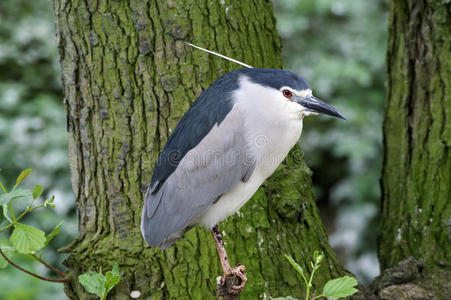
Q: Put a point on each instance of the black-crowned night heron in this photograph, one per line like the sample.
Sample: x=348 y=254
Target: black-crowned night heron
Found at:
x=231 y=139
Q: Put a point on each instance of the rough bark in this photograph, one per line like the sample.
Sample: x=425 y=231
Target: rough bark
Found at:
x=128 y=78
x=416 y=183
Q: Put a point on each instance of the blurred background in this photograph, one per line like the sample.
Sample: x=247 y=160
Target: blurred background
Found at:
x=337 y=46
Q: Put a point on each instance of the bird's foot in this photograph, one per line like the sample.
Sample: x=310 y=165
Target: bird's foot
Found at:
x=233 y=280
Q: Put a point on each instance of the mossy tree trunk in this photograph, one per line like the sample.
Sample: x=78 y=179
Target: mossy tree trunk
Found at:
x=128 y=78
x=416 y=181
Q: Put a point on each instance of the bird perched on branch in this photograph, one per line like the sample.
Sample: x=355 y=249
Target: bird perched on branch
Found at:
x=230 y=140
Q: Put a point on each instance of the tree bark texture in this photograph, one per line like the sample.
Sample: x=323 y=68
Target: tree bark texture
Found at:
x=416 y=179
x=128 y=78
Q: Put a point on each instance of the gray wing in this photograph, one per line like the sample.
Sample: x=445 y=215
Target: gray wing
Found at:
x=207 y=171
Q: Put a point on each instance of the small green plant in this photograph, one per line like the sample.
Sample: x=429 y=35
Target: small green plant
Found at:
x=29 y=240
x=335 y=288
x=98 y=284
x=26 y=239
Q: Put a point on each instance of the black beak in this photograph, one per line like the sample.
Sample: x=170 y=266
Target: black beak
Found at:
x=313 y=104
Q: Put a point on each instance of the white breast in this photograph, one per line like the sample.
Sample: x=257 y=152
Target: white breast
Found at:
x=273 y=125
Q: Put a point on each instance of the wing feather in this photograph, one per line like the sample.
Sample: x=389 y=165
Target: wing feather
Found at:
x=213 y=167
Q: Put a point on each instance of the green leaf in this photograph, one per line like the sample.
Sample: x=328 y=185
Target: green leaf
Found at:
x=340 y=287
x=24 y=174
x=294 y=264
x=27 y=239
x=15 y=194
x=318 y=257
x=285 y=298
x=49 y=202
x=7 y=251
x=52 y=234
x=93 y=282
x=112 y=278
x=115 y=270
x=98 y=284
x=5 y=213
x=37 y=191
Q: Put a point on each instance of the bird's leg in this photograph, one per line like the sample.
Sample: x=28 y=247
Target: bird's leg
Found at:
x=221 y=250
x=233 y=279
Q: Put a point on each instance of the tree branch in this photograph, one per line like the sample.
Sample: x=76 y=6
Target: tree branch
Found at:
x=59 y=272
x=64 y=279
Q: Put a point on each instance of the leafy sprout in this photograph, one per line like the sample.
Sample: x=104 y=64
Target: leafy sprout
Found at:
x=99 y=284
x=334 y=289
x=26 y=239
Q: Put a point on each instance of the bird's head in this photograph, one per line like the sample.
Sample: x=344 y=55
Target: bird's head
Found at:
x=286 y=86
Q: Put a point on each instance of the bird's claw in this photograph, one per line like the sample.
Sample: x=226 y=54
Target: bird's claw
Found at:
x=238 y=271
x=233 y=280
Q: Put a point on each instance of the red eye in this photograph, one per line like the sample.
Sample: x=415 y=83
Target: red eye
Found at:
x=287 y=93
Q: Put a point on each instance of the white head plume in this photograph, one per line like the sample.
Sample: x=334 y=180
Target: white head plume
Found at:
x=220 y=55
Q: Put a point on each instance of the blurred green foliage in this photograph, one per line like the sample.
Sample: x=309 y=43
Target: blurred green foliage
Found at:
x=33 y=135
x=32 y=117
x=339 y=48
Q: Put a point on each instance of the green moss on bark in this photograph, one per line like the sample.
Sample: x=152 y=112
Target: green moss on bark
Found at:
x=416 y=179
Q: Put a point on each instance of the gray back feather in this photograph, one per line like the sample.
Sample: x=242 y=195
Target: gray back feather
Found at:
x=213 y=167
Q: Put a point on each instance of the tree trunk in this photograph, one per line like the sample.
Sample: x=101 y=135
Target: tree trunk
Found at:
x=128 y=78
x=416 y=182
